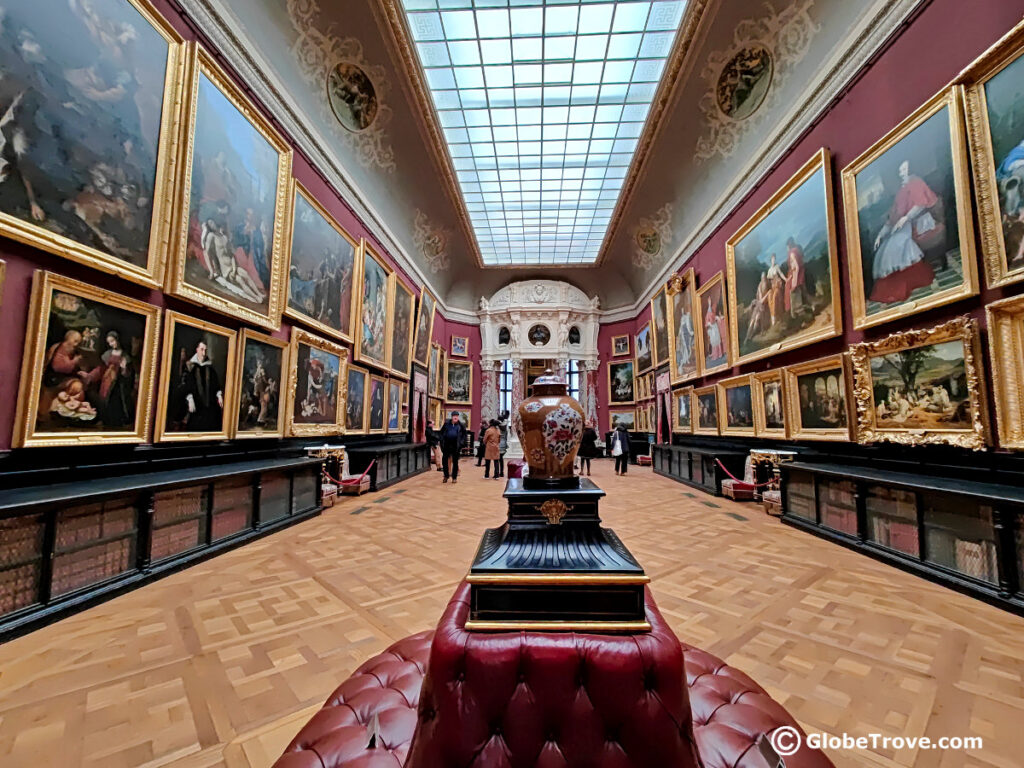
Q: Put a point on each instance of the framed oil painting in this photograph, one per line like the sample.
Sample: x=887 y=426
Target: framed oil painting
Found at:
x=736 y=396
x=403 y=316
x=784 y=268
x=435 y=412
x=682 y=410
x=714 y=323
x=374 y=285
x=460 y=346
x=620 y=345
x=394 y=406
x=685 y=356
x=320 y=267
x=433 y=369
x=376 y=422
x=1005 y=342
x=262 y=364
x=316 y=383
x=88 y=367
x=91 y=120
x=641 y=420
x=463 y=416
x=228 y=252
x=644 y=353
x=705 y=407
x=995 y=123
x=355 y=400
x=197 y=378
x=909 y=230
x=817 y=399
x=424 y=327
x=441 y=366
x=769 y=404
x=625 y=417
x=621 y=382
x=458 y=378
x=922 y=386
x=659 y=327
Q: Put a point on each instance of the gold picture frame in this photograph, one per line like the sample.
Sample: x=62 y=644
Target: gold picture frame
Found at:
x=821 y=162
x=300 y=191
x=950 y=100
x=392 y=392
x=363 y=410
x=245 y=336
x=201 y=64
x=435 y=409
x=930 y=417
x=302 y=337
x=632 y=422
x=449 y=365
x=164 y=186
x=645 y=358
x=718 y=281
x=761 y=383
x=617 y=350
x=172 y=320
x=680 y=286
x=612 y=400
x=383 y=428
x=460 y=346
x=659 y=306
x=975 y=79
x=795 y=426
x=698 y=392
x=725 y=386
x=401 y=293
x=1006 y=354
x=366 y=254
x=424 y=324
x=39 y=349
x=684 y=394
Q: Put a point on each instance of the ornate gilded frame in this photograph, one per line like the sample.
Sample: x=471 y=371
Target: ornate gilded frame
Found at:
x=821 y=160
x=397 y=290
x=435 y=411
x=611 y=417
x=424 y=295
x=171 y=321
x=365 y=420
x=1006 y=354
x=387 y=406
x=613 y=353
x=300 y=336
x=608 y=380
x=983 y=166
x=677 y=427
x=746 y=380
x=650 y=343
x=367 y=251
x=706 y=288
x=791 y=392
x=465 y=345
x=165 y=189
x=662 y=292
x=758 y=381
x=950 y=99
x=447 y=366
x=963 y=329
x=677 y=285
x=384 y=418
x=695 y=411
x=244 y=336
x=33 y=364
x=202 y=63
x=298 y=189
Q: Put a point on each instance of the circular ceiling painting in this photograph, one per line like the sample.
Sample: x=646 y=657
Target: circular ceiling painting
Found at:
x=744 y=82
x=648 y=240
x=352 y=96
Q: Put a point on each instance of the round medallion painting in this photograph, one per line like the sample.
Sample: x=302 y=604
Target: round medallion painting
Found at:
x=352 y=96
x=648 y=240
x=744 y=82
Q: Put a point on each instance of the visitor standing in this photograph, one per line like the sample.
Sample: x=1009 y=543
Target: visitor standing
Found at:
x=480 y=443
x=434 y=444
x=620 y=449
x=588 y=447
x=503 y=443
x=452 y=437
x=491 y=441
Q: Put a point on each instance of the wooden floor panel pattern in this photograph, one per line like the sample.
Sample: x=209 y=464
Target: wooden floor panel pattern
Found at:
x=220 y=665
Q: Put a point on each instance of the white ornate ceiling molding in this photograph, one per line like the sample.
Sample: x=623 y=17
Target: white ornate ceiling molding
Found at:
x=432 y=240
x=650 y=237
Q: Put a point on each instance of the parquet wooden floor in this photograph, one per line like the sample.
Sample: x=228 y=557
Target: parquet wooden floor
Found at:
x=220 y=664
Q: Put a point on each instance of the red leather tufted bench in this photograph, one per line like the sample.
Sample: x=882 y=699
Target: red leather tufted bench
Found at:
x=497 y=700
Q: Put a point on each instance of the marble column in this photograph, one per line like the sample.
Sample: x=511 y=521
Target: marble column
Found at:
x=588 y=391
x=515 y=448
x=488 y=391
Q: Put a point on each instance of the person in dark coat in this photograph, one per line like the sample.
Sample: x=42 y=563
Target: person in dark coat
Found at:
x=452 y=436
x=480 y=443
x=434 y=443
x=503 y=443
x=492 y=452
x=621 y=436
x=588 y=447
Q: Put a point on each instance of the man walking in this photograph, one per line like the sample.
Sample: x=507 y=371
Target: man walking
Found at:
x=452 y=436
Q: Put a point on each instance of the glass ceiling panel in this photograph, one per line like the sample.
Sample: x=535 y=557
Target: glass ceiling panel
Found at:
x=542 y=103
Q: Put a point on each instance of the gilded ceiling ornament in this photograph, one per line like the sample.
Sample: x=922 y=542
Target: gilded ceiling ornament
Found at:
x=432 y=241
x=355 y=91
x=650 y=237
x=748 y=75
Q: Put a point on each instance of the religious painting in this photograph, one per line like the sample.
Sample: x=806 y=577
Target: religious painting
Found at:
x=321 y=265
x=921 y=387
x=262 y=362
x=197 y=377
x=659 y=328
x=352 y=97
x=685 y=357
x=737 y=400
x=817 y=406
x=714 y=324
x=769 y=404
x=316 y=384
x=626 y=418
x=376 y=423
x=90 y=119
x=682 y=402
x=621 y=382
x=88 y=367
x=783 y=268
x=995 y=122
x=373 y=331
x=394 y=405
x=705 y=406
x=460 y=346
x=1005 y=340
x=642 y=345
x=403 y=314
x=458 y=378
x=355 y=400
x=909 y=229
x=424 y=327
x=228 y=251
x=620 y=345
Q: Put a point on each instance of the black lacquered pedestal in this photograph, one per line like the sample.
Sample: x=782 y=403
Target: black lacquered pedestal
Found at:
x=552 y=566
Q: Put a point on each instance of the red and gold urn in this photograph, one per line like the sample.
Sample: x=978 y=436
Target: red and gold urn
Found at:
x=550 y=428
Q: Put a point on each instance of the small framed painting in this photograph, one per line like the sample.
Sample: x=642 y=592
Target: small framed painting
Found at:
x=620 y=345
x=705 y=406
x=714 y=326
x=621 y=382
x=376 y=406
x=424 y=328
x=355 y=400
x=682 y=410
x=736 y=398
x=315 y=385
x=402 y=311
x=463 y=416
x=685 y=356
x=644 y=353
x=262 y=364
x=627 y=418
x=1005 y=340
x=393 y=422
x=374 y=281
x=769 y=404
x=817 y=399
x=460 y=346
x=459 y=382
x=659 y=327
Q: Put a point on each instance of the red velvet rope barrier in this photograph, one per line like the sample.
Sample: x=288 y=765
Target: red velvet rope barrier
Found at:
x=730 y=474
x=356 y=481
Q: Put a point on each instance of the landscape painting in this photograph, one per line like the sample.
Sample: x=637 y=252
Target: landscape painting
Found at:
x=374 y=326
x=644 y=353
x=684 y=349
x=714 y=326
x=355 y=401
x=783 y=264
x=261 y=366
x=626 y=419
x=621 y=382
x=659 y=327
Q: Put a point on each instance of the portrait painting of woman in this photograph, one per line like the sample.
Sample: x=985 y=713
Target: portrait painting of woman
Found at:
x=714 y=325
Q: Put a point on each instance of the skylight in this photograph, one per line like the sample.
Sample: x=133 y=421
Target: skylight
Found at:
x=542 y=103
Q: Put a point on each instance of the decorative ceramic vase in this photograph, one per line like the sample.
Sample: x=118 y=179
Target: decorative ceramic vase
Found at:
x=550 y=428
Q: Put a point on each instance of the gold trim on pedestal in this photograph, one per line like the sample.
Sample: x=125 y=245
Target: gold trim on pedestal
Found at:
x=554 y=510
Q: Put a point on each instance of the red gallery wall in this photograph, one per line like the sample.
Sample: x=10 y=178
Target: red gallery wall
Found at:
x=444 y=329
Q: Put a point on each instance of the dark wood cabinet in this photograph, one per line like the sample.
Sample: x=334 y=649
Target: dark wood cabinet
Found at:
x=391 y=462
x=697 y=466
